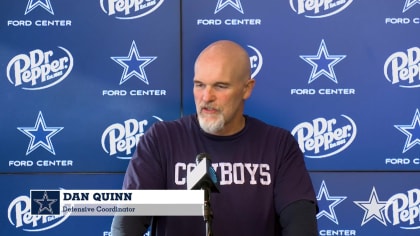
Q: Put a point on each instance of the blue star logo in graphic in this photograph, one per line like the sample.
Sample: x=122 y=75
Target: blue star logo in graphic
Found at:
x=412 y=131
x=134 y=65
x=234 y=3
x=327 y=201
x=40 y=135
x=409 y=4
x=32 y=4
x=45 y=203
x=322 y=63
x=374 y=209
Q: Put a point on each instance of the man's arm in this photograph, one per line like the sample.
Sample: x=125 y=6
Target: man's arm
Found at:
x=129 y=225
x=299 y=218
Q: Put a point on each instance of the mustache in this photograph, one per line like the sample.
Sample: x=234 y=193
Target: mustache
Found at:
x=209 y=106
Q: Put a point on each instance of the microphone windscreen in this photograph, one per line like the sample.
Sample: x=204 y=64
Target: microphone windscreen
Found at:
x=201 y=156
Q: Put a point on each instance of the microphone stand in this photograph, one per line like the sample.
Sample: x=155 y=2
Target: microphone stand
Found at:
x=207 y=212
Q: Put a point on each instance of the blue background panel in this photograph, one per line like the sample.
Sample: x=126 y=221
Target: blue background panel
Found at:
x=303 y=58
x=367 y=203
x=116 y=72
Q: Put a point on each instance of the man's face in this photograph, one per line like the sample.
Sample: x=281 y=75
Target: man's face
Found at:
x=219 y=95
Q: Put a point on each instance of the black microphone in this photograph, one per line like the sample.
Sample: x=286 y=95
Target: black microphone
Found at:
x=203 y=176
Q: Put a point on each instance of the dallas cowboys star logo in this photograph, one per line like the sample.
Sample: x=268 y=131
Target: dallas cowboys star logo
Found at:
x=45 y=203
x=374 y=209
x=134 y=65
x=325 y=200
x=40 y=135
x=322 y=63
x=409 y=4
x=412 y=131
x=234 y=3
x=39 y=3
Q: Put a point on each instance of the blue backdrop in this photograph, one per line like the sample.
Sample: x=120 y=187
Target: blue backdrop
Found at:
x=81 y=81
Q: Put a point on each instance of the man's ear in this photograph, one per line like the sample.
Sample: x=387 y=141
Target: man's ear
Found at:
x=248 y=88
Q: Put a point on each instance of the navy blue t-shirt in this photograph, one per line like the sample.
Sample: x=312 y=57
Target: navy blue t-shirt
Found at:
x=260 y=171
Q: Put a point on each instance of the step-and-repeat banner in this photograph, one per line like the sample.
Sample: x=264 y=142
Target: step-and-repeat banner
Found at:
x=81 y=81
x=343 y=76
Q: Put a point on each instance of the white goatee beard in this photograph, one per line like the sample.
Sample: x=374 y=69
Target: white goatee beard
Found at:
x=211 y=127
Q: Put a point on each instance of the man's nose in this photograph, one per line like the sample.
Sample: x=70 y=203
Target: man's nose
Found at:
x=208 y=94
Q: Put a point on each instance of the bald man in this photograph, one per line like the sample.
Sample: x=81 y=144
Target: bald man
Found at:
x=222 y=83
x=265 y=188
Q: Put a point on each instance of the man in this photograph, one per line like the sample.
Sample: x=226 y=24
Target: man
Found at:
x=265 y=188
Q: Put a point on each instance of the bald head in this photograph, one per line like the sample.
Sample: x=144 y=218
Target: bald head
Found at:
x=226 y=55
x=222 y=83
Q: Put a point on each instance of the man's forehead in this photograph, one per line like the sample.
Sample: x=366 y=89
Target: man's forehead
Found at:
x=220 y=80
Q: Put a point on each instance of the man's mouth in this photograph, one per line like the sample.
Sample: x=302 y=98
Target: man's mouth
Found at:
x=209 y=110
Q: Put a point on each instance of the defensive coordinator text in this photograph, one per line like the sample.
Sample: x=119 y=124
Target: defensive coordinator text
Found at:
x=114 y=209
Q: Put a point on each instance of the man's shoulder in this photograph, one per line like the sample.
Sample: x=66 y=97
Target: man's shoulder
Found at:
x=260 y=124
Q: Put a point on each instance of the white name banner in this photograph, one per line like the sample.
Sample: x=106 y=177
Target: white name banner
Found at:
x=117 y=202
